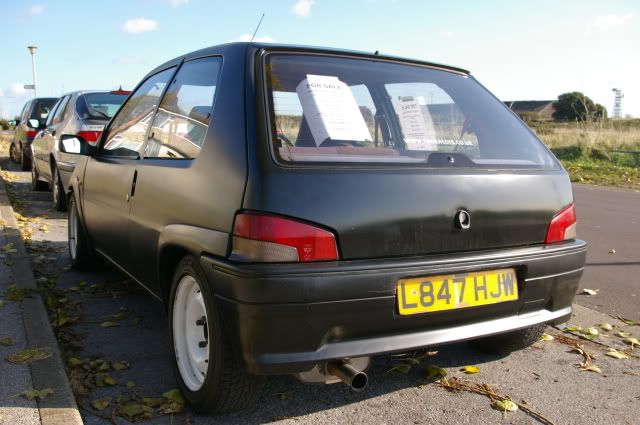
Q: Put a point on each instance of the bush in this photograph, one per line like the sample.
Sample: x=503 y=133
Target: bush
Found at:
x=4 y=124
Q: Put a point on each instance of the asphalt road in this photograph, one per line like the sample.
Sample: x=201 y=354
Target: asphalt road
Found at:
x=544 y=377
x=609 y=220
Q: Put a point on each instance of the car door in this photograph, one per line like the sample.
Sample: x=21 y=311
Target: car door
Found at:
x=110 y=175
x=38 y=145
x=44 y=141
x=173 y=144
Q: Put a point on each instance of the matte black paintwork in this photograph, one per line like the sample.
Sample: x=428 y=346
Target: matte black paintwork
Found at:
x=390 y=223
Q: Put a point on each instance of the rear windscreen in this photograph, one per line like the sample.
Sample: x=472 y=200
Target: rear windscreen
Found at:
x=338 y=109
x=99 y=106
x=42 y=108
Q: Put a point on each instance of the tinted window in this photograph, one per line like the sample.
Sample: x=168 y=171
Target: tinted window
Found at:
x=129 y=127
x=53 y=111
x=42 y=109
x=99 y=106
x=60 y=111
x=336 y=109
x=25 y=111
x=183 y=117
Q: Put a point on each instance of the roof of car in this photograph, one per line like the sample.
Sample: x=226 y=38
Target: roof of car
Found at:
x=243 y=46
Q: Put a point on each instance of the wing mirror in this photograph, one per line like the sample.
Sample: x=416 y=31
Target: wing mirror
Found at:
x=70 y=143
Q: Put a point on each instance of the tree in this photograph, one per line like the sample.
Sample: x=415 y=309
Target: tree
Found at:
x=576 y=106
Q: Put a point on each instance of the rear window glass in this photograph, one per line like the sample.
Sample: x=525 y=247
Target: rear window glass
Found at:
x=42 y=109
x=338 y=109
x=99 y=106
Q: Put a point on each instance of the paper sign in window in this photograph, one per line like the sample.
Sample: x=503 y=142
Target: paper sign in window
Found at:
x=417 y=126
x=331 y=110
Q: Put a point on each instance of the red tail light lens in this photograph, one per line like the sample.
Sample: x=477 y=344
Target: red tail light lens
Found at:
x=562 y=226
x=30 y=133
x=89 y=136
x=268 y=238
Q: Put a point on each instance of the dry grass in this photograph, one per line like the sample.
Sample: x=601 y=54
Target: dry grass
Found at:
x=591 y=136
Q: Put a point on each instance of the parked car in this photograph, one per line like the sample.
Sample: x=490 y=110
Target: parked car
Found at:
x=83 y=113
x=32 y=118
x=301 y=210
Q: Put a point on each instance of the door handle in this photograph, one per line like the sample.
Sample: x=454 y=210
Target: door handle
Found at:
x=133 y=186
x=53 y=133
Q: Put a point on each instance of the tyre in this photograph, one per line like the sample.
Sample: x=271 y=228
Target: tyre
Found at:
x=81 y=254
x=209 y=370
x=58 y=193
x=25 y=161
x=36 y=184
x=511 y=341
x=14 y=153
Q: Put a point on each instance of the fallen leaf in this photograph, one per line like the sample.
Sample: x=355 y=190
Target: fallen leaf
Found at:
x=470 y=370
x=1 y=303
x=153 y=401
x=592 y=331
x=616 y=354
x=74 y=361
x=623 y=334
x=109 y=380
x=131 y=384
x=40 y=394
x=626 y=321
x=606 y=326
x=572 y=329
x=546 y=337
x=131 y=410
x=400 y=368
x=632 y=341
x=504 y=405
x=432 y=371
x=9 y=248
x=119 y=366
x=587 y=291
x=7 y=341
x=101 y=403
x=175 y=402
x=109 y=324
x=29 y=355
x=590 y=368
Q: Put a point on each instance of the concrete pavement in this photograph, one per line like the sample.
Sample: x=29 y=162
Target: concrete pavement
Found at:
x=609 y=220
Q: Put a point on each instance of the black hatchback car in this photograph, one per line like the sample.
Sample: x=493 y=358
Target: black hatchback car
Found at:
x=300 y=210
x=32 y=118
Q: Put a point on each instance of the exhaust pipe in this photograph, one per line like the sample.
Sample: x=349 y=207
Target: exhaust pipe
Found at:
x=351 y=376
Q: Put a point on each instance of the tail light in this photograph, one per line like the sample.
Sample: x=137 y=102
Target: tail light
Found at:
x=267 y=238
x=562 y=226
x=89 y=136
x=31 y=133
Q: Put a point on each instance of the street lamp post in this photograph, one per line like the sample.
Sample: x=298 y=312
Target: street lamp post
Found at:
x=32 y=50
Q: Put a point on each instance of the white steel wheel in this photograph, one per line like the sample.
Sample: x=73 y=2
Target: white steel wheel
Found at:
x=191 y=340
x=73 y=233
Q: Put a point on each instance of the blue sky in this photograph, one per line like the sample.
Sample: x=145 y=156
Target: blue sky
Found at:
x=520 y=50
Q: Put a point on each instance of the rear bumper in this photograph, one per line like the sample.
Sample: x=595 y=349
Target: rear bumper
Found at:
x=287 y=317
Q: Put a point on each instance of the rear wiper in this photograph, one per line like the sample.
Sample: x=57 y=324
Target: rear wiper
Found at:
x=99 y=112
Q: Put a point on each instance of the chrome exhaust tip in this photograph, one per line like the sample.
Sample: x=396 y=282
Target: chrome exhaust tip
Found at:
x=355 y=379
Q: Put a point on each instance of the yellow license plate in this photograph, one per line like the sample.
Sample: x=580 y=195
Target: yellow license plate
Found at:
x=438 y=293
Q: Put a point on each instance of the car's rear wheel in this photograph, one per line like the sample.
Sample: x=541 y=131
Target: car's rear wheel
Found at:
x=25 y=160
x=14 y=153
x=58 y=193
x=36 y=183
x=511 y=341
x=81 y=254
x=210 y=371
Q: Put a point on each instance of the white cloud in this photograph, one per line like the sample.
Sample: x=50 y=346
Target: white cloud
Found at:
x=140 y=25
x=36 y=9
x=177 y=3
x=264 y=39
x=606 y=22
x=16 y=89
x=302 y=7
x=1 y=93
x=447 y=35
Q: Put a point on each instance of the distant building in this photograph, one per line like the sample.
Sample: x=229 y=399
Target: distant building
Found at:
x=544 y=108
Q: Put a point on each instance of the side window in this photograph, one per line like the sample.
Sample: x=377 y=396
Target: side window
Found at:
x=129 y=127
x=25 y=112
x=180 y=126
x=53 y=112
x=62 y=107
